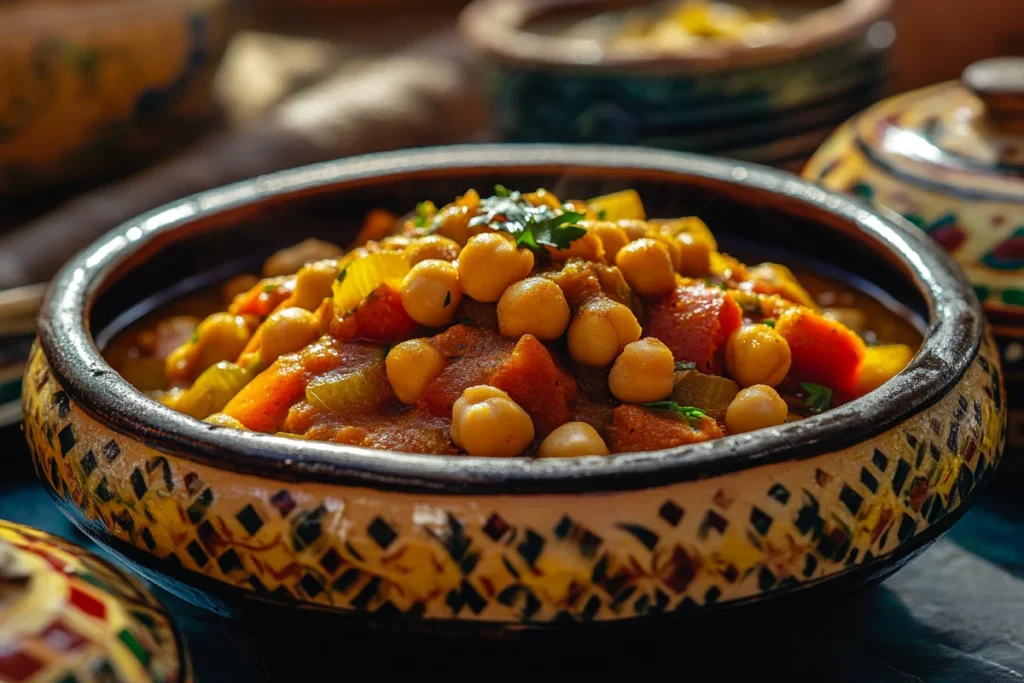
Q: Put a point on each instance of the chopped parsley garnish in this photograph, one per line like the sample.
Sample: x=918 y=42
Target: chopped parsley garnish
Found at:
x=422 y=214
x=601 y=214
x=534 y=227
x=343 y=274
x=712 y=283
x=269 y=289
x=195 y=336
x=688 y=412
x=819 y=398
x=684 y=365
x=447 y=299
x=769 y=322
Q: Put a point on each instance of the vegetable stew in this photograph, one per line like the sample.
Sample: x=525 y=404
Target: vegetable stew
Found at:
x=516 y=324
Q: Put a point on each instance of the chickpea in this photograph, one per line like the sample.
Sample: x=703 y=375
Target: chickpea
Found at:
x=410 y=366
x=572 y=440
x=287 y=331
x=534 y=306
x=432 y=247
x=237 y=285
x=221 y=336
x=647 y=267
x=694 y=256
x=757 y=354
x=430 y=292
x=643 y=372
x=634 y=229
x=313 y=283
x=587 y=247
x=600 y=331
x=224 y=420
x=288 y=261
x=489 y=263
x=487 y=422
x=755 y=407
x=612 y=237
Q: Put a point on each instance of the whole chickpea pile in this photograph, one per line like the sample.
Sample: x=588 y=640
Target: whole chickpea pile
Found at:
x=472 y=248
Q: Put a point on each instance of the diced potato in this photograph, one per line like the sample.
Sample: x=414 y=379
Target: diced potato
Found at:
x=618 y=206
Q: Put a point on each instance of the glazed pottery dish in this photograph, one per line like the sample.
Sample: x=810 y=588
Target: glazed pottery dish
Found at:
x=950 y=159
x=67 y=615
x=90 y=89
x=763 y=83
x=497 y=389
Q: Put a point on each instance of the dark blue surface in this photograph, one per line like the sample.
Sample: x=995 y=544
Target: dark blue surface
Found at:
x=955 y=615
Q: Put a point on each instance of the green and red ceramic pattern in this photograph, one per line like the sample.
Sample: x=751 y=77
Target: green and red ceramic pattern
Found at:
x=66 y=617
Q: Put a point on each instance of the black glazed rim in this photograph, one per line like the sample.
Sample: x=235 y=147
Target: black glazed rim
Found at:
x=952 y=341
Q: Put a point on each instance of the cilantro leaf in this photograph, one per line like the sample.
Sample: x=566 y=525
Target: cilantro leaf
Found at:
x=501 y=191
x=688 y=412
x=343 y=274
x=195 y=336
x=601 y=214
x=534 y=227
x=684 y=365
x=819 y=398
x=769 y=322
x=269 y=289
x=422 y=215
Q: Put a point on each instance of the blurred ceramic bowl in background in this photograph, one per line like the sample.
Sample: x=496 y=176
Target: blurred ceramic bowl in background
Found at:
x=97 y=85
x=770 y=100
x=950 y=159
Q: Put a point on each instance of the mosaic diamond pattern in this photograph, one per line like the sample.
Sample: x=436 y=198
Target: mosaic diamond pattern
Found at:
x=639 y=555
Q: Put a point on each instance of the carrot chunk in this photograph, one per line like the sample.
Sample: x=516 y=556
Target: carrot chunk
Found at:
x=694 y=321
x=379 y=318
x=824 y=351
x=637 y=429
x=533 y=380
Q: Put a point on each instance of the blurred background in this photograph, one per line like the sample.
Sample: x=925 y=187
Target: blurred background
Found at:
x=109 y=108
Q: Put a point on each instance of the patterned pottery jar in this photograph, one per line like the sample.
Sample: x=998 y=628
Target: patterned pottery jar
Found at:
x=89 y=89
x=768 y=104
x=252 y=524
x=66 y=615
x=950 y=159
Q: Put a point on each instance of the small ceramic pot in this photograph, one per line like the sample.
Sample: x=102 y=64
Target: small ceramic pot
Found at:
x=243 y=522
x=84 y=91
x=718 y=98
x=950 y=159
x=66 y=615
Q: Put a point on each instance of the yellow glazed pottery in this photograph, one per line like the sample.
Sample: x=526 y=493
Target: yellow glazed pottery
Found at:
x=66 y=615
x=261 y=526
x=89 y=85
x=950 y=159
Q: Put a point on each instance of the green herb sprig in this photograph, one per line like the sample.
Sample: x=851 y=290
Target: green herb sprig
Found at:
x=687 y=412
x=819 y=398
x=534 y=227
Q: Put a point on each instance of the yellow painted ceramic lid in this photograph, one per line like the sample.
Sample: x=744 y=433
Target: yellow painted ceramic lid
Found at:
x=962 y=138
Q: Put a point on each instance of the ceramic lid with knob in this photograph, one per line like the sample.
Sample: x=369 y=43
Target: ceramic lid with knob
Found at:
x=949 y=158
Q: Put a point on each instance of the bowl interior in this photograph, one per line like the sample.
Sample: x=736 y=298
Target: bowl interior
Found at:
x=753 y=226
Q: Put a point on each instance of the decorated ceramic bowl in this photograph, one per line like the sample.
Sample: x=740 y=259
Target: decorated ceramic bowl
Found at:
x=253 y=524
x=950 y=159
x=90 y=89
x=550 y=85
x=66 y=615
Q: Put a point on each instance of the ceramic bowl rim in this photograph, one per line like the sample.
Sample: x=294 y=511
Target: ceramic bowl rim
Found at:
x=495 y=28
x=953 y=339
